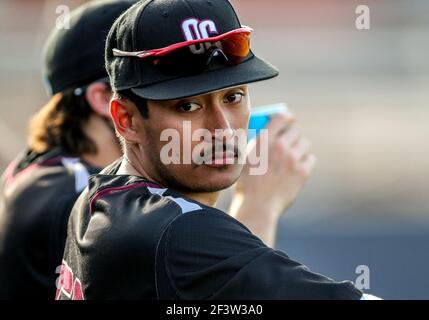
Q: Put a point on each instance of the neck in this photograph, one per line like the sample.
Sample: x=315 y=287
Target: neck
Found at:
x=131 y=165
x=207 y=198
x=108 y=149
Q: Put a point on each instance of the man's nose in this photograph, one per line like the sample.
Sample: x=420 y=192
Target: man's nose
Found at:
x=219 y=122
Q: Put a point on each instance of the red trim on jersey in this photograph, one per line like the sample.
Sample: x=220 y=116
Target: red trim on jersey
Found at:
x=10 y=177
x=107 y=191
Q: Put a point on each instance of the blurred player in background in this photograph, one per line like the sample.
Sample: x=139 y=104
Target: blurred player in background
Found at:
x=70 y=138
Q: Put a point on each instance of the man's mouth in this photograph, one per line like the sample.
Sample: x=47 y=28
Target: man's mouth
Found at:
x=224 y=158
x=219 y=158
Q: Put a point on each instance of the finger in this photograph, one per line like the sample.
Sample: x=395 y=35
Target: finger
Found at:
x=309 y=164
x=291 y=137
x=279 y=123
x=302 y=149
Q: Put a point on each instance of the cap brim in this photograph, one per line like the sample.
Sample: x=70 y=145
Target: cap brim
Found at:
x=252 y=70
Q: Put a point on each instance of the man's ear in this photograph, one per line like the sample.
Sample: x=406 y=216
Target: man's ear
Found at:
x=124 y=116
x=98 y=96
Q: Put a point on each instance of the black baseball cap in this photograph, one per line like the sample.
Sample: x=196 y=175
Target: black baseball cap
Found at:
x=154 y=24
x=73 y=55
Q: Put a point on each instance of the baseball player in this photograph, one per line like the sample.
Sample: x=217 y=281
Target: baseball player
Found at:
x=144 y=229
x=70 y=138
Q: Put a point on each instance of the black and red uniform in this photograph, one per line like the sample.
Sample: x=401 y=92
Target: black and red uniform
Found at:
x=129 y=238
x=37 y=192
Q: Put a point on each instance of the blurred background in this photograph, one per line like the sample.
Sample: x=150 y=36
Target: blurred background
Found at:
x=361 y=97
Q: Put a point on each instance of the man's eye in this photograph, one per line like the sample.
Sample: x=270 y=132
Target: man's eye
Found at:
x=234 y=98
x=189 y=107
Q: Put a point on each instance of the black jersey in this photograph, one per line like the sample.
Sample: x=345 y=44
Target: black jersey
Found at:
x=37 y=192
x=129 y=238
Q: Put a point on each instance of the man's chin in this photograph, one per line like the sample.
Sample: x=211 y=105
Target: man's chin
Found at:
x=208 y=181
x=217 y=178
x=202 y=178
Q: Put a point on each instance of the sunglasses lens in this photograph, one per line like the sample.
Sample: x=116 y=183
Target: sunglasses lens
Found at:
x=234 y=49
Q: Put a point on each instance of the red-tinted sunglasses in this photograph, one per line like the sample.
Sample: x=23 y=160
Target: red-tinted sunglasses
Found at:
x=181 y=58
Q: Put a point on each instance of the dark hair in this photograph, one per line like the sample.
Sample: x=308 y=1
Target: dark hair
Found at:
x=60 y=123
x=141 y=103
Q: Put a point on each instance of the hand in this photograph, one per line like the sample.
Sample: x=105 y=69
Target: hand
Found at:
x=259 y=200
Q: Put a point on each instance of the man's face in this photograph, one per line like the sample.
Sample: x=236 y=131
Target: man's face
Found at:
x=227 y=110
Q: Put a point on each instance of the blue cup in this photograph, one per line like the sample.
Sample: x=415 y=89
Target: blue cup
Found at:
x=259 y=117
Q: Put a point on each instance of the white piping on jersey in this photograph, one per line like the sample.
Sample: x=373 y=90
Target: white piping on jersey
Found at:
x=185 y=205
x=156 y=191
x=367 y=296
x=81 y=174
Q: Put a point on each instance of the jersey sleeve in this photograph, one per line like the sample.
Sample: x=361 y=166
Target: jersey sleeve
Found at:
x=209 y=255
